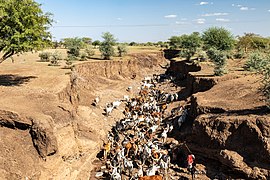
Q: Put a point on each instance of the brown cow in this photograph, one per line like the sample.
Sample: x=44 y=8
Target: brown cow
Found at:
x=155 y=177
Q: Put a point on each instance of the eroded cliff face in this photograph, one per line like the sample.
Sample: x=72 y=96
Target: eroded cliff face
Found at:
x=57 y=134
x=88 y=77
x=239 y=142
x=229 y=124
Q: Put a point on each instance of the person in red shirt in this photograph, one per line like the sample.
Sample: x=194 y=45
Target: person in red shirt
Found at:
x=190 y=160
x=191 y=165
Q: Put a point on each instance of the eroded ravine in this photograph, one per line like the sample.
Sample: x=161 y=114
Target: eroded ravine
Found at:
x=228 y=126
x=229 y=135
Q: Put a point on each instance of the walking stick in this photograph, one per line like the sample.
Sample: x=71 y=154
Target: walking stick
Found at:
x=188 y=148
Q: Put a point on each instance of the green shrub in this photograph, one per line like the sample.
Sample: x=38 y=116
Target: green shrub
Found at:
x=71 y=57
x=202 y=56
x=239 y=54
x=56 y=56
x=219 y=58
x=89 y=51
x=74 y=51
x=256 y=62
x=122 y=50
x=83 y=56
x=266 y=84
x=73 y=45
x=260 y=63
x=45 y=56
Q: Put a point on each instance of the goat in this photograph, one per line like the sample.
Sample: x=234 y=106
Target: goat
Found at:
x=140 y=171
x=126 y=98
x=108 y=109
x=131 y=145
x=128 y=165
x=165 y=163
x=164 y=134
x=129 y=89
x=96 y=101
x=116 y=104
x=154 y=128
x=115 y=175
x=152 y=170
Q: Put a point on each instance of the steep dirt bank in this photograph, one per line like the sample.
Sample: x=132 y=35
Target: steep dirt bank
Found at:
x=229 y=125
x=52 y=131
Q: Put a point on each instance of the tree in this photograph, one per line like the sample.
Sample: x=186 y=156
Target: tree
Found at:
x=251 y=41
x=73 y=45
x=96 y=43
x=106 y=47
x=245 y=42
x=217 y=43
x=87 y=40
x=175 y=42
x=23 y=27
x=132 y=43
x=189 y=45
x=218 y=38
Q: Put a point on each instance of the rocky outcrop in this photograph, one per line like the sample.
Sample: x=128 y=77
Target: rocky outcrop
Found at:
x=236 y=162
x=43 y=137
x=13 y=120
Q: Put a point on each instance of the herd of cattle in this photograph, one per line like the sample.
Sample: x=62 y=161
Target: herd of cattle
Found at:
x=136 y=146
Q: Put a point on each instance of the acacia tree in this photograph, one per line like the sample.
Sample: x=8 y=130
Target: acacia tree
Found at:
x=106 y=47
x=218 y=38
x=217 y=41
x=175 y=42
x=74 y=46
x=23 y=27
x=96 y=43
x=251 y=41
x=189 y=44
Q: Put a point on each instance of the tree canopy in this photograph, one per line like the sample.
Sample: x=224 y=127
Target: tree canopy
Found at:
x=106 y=46
x=23 y=27
x=218 y=38
x=175 y=42
x=251 y=41
x=73 y=45
x=189 y=44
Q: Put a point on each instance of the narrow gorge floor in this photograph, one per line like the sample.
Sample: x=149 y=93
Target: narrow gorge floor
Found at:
x=177 y=169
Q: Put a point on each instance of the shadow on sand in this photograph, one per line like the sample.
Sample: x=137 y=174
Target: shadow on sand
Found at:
x=14 y=80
